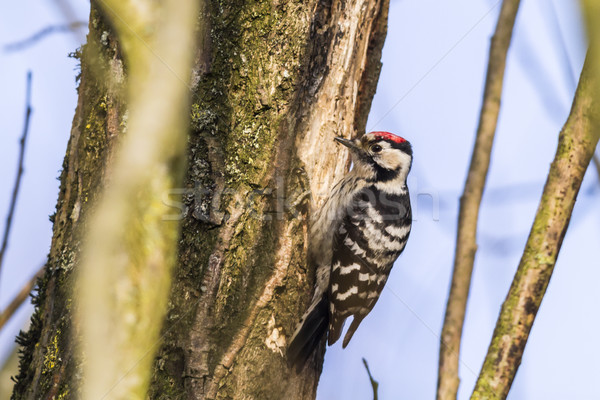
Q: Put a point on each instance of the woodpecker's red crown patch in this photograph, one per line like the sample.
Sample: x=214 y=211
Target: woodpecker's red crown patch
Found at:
x=389 y=136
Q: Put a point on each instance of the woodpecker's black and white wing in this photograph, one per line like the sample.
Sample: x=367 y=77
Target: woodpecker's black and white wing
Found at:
x=367 y=242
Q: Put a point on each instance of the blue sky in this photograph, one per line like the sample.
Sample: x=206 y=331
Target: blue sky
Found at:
x=430 y=92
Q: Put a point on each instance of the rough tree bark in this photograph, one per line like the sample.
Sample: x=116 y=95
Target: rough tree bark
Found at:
x=273 y=83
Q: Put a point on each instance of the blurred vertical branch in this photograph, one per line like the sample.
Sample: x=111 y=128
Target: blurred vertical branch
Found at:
x=7 y=371
x=131 y=245
x=466 y=245
x=17 y=185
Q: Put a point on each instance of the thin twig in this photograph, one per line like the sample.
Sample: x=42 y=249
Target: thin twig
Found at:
x=36 y=37
x=374 y=383
x=470 y=201
x=19 y=299
x=570 y=74
x=597 y=164
x=576 y=144
x=17 y=185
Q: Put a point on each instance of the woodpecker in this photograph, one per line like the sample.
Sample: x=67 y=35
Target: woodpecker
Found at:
x=355 y=237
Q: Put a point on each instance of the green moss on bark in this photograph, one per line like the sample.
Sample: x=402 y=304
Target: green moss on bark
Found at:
x=238 y=112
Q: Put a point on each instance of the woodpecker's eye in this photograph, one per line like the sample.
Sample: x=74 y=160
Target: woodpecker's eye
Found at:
x=376 y=148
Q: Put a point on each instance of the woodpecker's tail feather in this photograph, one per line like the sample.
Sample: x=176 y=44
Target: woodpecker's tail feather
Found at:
x=312 y=327
x=353 y=327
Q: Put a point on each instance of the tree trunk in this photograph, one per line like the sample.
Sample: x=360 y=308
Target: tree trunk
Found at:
x=273 y=83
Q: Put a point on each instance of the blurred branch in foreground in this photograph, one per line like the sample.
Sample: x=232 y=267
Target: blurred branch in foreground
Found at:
x=17 y=185
x=131 y=242
x=8 y=369
x=38 y=36
x=576 y=145
x=374 y=383
x=20 y=298
x=466 y=244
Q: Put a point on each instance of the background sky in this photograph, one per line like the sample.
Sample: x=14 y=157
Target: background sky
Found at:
x=434 y=64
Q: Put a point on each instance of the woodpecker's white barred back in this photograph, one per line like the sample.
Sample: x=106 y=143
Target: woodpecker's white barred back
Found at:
x=355 y=237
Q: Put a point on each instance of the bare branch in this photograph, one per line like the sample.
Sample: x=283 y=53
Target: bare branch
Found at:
x=42 y=34
x=17 y=185
x=466 y=245
x=576 y=145
x=597 y=164
x=65 y=7
x=19 y=299
x=374 y=383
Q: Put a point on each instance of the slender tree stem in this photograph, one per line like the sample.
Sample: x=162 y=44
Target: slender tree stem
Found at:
x=576 y=145
x=597 y=164
x=17 y=185
x=374 y=383
x=470 y=201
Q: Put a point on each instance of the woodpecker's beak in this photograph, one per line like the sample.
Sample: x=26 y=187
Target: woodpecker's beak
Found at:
x=347 y=142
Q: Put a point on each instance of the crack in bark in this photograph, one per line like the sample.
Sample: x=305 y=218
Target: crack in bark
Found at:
x=281 y=266
x=203 y=322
